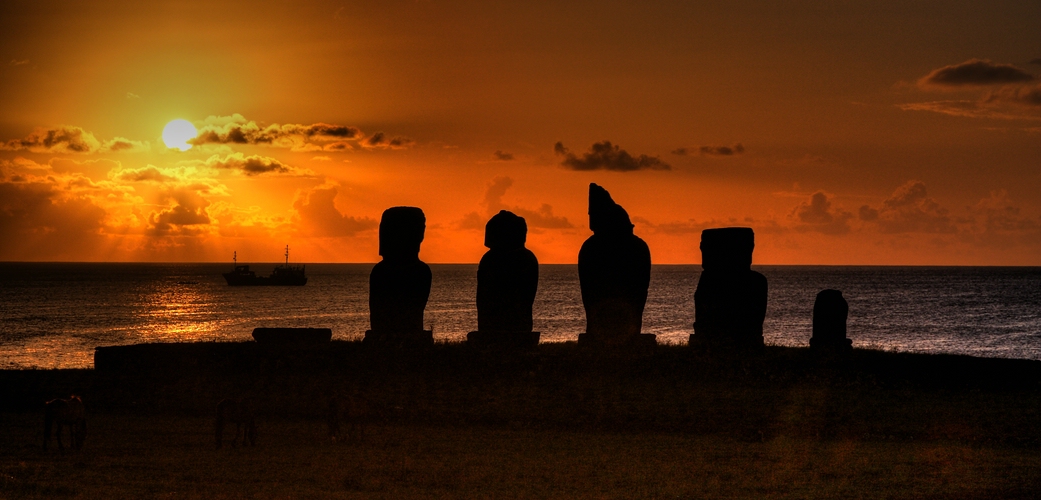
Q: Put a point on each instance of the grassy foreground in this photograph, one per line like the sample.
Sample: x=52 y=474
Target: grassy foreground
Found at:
x=559 y=422
x=173 y=457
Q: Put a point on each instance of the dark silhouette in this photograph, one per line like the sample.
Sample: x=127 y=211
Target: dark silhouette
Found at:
x=292 y=336
x=282 y=275
x=730 y=301
x=830 y=311
x=241 y=413
x=399 y=285
x=507 y=279
x=614 y=271
x=65 y=413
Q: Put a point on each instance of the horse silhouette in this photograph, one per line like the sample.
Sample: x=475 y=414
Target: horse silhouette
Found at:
x=241 y=413
x=65 y=412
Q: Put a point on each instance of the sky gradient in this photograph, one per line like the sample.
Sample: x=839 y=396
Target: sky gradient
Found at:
x=842 y=133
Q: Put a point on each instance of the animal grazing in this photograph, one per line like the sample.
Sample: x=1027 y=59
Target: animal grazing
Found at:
x=241 y=413
x=65 y=412
x=351 y=410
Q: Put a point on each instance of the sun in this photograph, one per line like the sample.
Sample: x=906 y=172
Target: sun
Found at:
x=177 y=133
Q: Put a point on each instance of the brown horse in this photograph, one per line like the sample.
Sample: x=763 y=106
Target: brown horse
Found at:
x=65 y=412
x=239 y=412
x=350 y=409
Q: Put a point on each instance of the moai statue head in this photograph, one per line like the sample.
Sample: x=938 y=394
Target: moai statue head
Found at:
x=605 y=216
x=505 y=230
x=401 y=232
x=727 y=248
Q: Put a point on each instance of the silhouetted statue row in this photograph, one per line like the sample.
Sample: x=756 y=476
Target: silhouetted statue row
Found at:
x=614 y=269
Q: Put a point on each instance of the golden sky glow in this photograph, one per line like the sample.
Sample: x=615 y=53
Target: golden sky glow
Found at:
x=889 y=133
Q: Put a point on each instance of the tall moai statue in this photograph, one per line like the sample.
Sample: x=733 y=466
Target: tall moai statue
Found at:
x=399 y=285
x=830 y=312
x=507 y=279
x=614 y=270
x=730 y=301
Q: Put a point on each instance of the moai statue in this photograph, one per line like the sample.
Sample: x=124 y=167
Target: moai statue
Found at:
x=830 y=311
x=507 y=280
x=614 y=269
x=399 y=285
x=730 y=301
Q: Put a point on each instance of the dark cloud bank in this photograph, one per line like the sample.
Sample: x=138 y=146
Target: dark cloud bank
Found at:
x=606 y=156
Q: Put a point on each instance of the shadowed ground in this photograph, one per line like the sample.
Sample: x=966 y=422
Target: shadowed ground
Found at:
x=558 y=422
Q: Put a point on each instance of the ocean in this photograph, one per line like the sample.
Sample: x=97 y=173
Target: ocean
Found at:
x=53 y=315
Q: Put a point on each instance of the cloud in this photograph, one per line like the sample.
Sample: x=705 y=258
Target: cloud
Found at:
x=145 y=174
x=975 y=72
x=236 y=129
x=253 y=165
x=909 y=210
x=606 y=156
x=817 y=215
x=1036 y=61
x=379 y=140
x=68 y=139
x=132 y=96
x=189 y=209
x=56 y=140
x=502 y=156
x=736 y=149
x=694 y=226
x=997 y=221
x=319 y=216
x=321 y=158
x=18 y=62
x=540 y=218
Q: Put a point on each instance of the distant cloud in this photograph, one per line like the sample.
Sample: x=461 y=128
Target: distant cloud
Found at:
x=56 y=140
x=1010 y=93
x=502 y=156
x=68 y=139
x=541 y=218
x=1036 y=61
x=909 y=210
x=319 y=216
x=817 y=215
x=132 y=96
x=18 y=62
x=144 y=174
x=250 y=165
x=736 y=149
x=236 y=129
x=606 y=156
x=976 y=72
x=381 y=141
x=321 y=158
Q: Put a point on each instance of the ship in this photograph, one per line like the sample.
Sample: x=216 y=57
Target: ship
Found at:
x=283 y=275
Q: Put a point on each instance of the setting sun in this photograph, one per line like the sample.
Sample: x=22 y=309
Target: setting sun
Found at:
x=177 y=133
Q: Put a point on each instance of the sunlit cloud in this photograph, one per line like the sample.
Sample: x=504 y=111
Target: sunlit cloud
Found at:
x=1010 y=93
x=254 y=165
x=236 y=129
x=70 y=140
x=606 y=156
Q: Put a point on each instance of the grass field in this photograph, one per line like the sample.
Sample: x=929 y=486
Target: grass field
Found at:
x=174 y=457
x=556 y=423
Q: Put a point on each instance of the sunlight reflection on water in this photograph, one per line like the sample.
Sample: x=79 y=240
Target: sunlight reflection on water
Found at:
x=55 y=314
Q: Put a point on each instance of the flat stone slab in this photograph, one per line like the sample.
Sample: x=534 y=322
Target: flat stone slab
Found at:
x=503 y=339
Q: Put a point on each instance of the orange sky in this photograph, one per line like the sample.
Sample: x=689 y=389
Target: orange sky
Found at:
x=843 y=134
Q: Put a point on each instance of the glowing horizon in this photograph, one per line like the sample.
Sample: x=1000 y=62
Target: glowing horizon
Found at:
x=815 y=126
